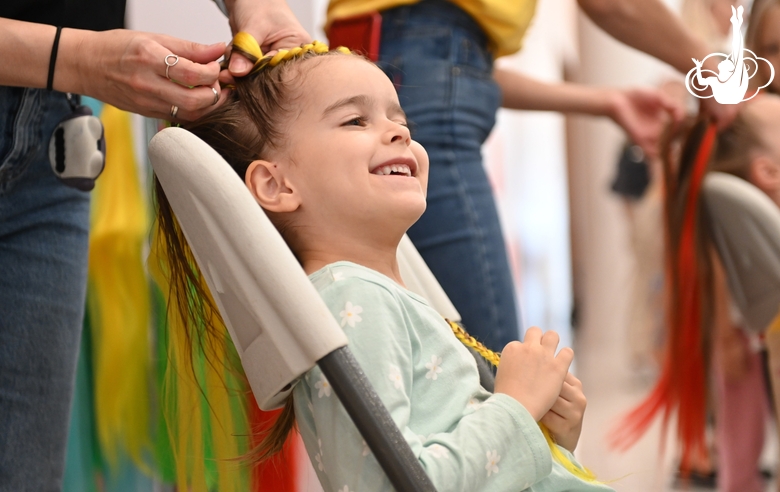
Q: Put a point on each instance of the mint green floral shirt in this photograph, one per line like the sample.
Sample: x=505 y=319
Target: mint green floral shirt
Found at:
x=466 y=438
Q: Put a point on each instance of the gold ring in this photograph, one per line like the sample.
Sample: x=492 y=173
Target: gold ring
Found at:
x=174 y=111
x=216 y=96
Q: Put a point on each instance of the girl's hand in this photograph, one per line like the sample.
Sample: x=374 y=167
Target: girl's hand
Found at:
x=643 y=114
x=531 y=373
x=127 y=69
x=564 y=420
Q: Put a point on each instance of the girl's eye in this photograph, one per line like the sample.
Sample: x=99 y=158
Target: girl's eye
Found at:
x=358 y=121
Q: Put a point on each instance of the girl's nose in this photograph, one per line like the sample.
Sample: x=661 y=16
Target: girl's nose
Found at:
x=400 y=132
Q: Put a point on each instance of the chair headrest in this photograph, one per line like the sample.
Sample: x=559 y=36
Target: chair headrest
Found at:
x=277 y=320
x=746 y=229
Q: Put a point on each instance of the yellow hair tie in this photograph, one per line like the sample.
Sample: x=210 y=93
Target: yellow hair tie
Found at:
x=248 y=46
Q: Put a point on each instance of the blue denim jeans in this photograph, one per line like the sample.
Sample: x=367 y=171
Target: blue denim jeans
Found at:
x=43 y=275
x=437 y=57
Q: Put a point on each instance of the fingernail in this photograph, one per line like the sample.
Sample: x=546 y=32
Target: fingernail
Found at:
x=239 y=64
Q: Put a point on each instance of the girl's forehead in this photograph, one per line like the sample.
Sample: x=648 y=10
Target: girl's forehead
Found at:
x=335 y=77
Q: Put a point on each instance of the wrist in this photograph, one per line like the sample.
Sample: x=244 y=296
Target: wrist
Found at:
x=69 y=71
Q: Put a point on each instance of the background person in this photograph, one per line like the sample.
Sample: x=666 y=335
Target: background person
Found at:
x=43 y=223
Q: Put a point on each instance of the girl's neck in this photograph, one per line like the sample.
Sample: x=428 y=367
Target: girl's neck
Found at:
x=378 y=258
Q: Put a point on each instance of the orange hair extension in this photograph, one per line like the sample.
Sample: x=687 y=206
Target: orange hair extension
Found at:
x=682 y=385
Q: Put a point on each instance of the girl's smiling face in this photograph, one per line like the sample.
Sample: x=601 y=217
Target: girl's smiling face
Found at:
x=348 y=164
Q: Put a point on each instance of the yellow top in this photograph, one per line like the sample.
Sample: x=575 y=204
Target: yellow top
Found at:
x=504 y=21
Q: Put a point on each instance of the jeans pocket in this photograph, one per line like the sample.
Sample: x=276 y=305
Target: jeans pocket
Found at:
x=20 y=140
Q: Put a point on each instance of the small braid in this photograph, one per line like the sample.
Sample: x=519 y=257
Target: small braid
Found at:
x=469 y=341
x=247 y=45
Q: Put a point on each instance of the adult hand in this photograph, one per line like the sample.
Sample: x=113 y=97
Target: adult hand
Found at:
x=643 y=114
x=272 y=24
x=722 y=114
x=127 y=69
x=531 y=372
x=564 y=420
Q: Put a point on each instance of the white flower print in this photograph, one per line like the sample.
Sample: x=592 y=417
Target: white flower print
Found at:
x=434 y=368
x=473 y=403
x=396 y=377
x=366 y=450
x=323 y=386
x=492 y=462
x=350 y=315
x=318 y=457
x=338 y=276
x=438 y=451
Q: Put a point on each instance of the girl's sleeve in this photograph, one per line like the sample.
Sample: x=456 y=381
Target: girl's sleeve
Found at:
x=497 y=447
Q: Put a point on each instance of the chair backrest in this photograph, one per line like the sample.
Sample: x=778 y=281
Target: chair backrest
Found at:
x=746 y=228
x=420 y=280
x=277 y=321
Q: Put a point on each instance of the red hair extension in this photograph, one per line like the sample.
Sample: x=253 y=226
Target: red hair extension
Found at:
x=279 y=473
x=682 y=384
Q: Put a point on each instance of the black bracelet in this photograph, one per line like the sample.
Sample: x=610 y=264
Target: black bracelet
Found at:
x=53 y=59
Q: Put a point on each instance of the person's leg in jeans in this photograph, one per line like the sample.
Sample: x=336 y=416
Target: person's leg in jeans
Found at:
x=436 y=55
x=43 y=272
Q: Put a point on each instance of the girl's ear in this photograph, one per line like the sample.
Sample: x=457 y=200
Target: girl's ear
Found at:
x=267 y=183
x=765 y=174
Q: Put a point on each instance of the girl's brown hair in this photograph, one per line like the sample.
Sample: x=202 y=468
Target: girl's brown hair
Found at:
x=690 y=309
x=247 y=127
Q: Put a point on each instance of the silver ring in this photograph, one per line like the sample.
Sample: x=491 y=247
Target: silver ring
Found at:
x=216 y=96
x=168 y=64
x=174 y=111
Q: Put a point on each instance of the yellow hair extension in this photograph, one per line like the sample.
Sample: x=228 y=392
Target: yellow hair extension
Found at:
x=247 y=45
x=205 y=415
x=494 y=358
x=119 y=298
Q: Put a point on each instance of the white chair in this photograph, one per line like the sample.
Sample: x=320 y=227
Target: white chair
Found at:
x=746 y=228
x=745 y=225
x=279 y=324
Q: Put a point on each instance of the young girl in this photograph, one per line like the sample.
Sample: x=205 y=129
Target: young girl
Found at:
x=702 y=327
x=324 y=148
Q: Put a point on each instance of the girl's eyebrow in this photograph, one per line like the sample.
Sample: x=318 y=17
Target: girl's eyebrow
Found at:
x=361 y=100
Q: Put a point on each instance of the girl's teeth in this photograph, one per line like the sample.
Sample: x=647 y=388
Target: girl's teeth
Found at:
x=395 y=168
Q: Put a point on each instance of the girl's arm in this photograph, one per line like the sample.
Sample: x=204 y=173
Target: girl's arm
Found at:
x=494 y=444
x=642 y=113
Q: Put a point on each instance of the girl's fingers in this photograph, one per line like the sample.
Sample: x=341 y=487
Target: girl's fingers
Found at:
x=550 y=340
x=533 y=335
x=553 y=421
x=565 y=356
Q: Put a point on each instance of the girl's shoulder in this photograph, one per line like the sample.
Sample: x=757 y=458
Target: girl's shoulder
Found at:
x=347 y=276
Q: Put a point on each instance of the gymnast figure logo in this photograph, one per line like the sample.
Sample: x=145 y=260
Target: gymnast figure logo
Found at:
x=730 y=84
